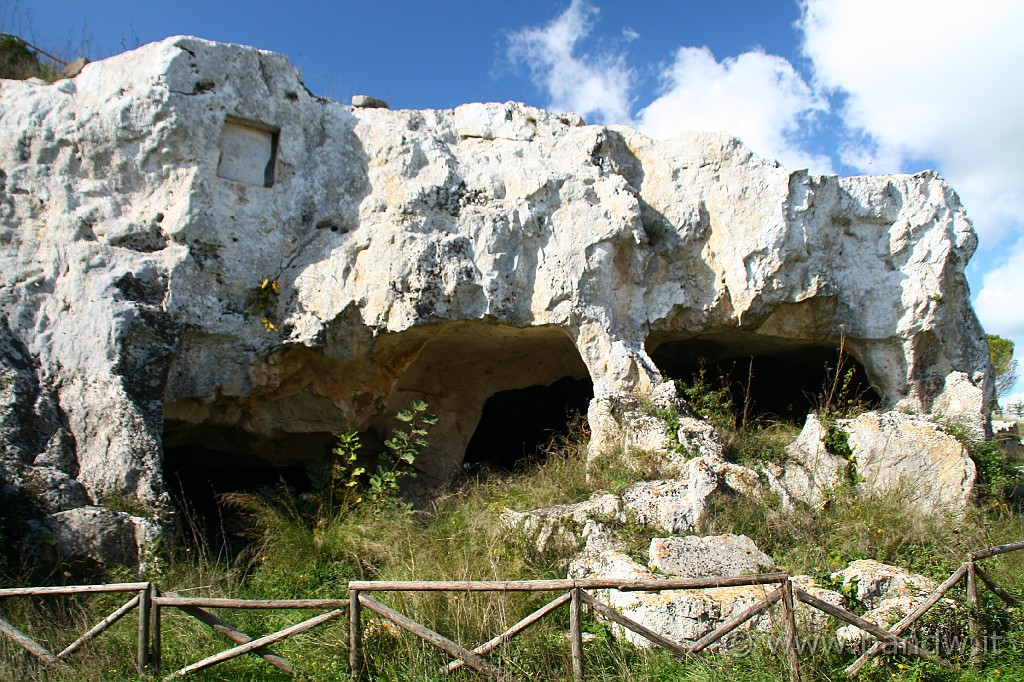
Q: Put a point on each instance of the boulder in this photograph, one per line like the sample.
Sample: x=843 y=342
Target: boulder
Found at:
x=704 y=557
x=205 y=264
x=656 y=435
x=687 y=615
x=108 y=538
x=888 y=452
x=890 y=593
x=669 y=505
x=681 y=615
x=564 y=528
x=870 y=582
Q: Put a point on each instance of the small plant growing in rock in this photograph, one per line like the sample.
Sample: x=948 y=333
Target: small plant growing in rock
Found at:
x=345 y=484
x=263 y=303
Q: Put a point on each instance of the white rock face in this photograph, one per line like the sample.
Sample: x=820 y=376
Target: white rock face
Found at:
x=873 y=582
x=892 y=452
x=674 y=505
x=443 y=255
x=889 y=593
x=696 y=556
x=688 y=615
x=564 y=528
x=680 y=615
x=626 y=426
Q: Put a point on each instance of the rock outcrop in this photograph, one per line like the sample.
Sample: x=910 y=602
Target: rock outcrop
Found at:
x=889 y=452
x=889 y=593
x=443 y=255
x=674 y=505
x=687 y=615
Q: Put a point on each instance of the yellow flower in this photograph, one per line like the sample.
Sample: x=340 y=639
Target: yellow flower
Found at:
x=900 y=666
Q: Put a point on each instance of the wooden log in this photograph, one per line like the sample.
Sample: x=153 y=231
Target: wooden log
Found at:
x=97 y=630
x=789 y=621
x=562 y=585
x=734 y=622
x=217 y=603
x=999 y=592
x=899 y=628
x=866 y=625
x=71 y=589
x=512 y=632
x=155 y=628
x=576 y=633
x=998 y=549
x=461 y=585
x=972 y=615
x=355 y=636
x=440 y=641
x=33 y=647
x=626 y=622
x=143 y=653
x=235 y=635
x=255 y=644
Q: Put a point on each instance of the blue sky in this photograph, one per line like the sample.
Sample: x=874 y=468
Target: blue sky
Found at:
x=845 y=86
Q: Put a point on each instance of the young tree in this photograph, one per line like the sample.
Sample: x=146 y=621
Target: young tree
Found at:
x=1005 y=367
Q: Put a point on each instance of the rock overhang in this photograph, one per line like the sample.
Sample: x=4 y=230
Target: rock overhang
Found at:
x=145 y=200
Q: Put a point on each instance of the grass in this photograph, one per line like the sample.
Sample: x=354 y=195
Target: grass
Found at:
x=294 y=554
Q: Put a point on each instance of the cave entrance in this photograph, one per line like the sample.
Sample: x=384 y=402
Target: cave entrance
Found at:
x=203 y=462
x=514 y=425
x=498 y=392
x=772 y=378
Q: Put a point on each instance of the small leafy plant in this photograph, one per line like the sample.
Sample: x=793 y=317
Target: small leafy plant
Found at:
x=263 y=303
x=348 y=484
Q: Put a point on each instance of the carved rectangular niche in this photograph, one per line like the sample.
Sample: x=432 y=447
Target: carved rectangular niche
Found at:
x=248 y=152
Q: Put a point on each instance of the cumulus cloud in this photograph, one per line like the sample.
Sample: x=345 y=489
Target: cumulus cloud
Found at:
x=594 y=85
x=1002 y=289
x=756 y=96
x=934 y=82
x=930 y=80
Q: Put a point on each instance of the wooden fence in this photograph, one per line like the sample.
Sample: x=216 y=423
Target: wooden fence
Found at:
x=574 y=594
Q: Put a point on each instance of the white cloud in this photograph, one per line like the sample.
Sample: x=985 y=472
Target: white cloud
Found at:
x=998 y=304
x=756 y=96
x=595 y=86
x=935 y=80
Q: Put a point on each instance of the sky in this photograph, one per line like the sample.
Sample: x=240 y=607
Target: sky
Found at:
x=835 y=86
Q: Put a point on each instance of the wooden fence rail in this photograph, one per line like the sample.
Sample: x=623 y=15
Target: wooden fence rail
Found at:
x=56 y=661
x=576 y=594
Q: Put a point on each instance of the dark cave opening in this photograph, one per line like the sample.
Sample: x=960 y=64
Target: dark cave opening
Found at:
x=516 y=424
x=772 y=381
x=204 y=463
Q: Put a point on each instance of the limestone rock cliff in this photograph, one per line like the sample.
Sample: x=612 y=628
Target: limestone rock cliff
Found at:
x=444 y=255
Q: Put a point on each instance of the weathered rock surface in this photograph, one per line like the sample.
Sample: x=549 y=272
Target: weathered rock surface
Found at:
x=669 y=505
x=443 y=255
x=872 y=582
x=630 y=427
x=681 y=615
x=696 y=556
x=889 y=593
x=688 y=615
x=891 y=452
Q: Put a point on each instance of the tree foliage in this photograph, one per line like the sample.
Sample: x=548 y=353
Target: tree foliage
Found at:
x=1003 y=364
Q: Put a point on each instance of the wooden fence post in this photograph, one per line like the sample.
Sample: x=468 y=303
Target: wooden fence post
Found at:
x=576 y=633
x=789 y=620
x=144 y=605
x=972 y=614
x=355 y=636
x=155 y=648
